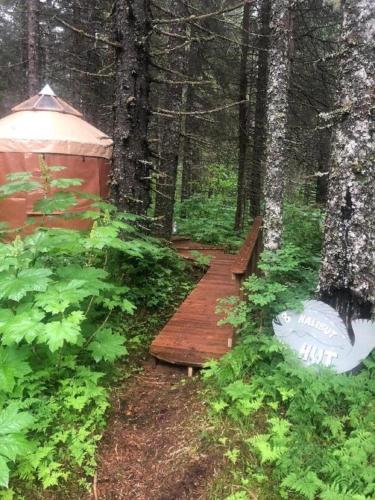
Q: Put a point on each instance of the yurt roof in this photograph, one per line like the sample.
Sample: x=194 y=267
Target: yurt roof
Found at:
x=47 y=124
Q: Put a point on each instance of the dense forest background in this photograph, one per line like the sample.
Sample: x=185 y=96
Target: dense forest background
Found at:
x=253 y=97
x=220 y=111
x=199 y=72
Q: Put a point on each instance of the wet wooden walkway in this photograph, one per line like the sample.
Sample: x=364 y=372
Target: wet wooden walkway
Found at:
x=192 y=336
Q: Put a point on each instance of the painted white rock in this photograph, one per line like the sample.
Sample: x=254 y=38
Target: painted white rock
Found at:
x=320 y=337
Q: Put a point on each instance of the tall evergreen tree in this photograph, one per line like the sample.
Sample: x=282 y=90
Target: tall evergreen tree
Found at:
x=277 y=118
x=243 y=133
x=260 y=109
x=131 y=166
x=347 y=275
x=33 y=69
x=171 y=126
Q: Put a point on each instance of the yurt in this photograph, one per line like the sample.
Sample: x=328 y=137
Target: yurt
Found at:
x=47 y=126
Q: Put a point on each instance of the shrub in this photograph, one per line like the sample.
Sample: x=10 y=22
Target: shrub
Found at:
x=65 y=297
x=310 y=435
x=297 y=433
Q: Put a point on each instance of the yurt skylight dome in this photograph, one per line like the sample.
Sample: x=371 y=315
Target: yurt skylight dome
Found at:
x=44 y=127
x=45 y=123
x=46 y=100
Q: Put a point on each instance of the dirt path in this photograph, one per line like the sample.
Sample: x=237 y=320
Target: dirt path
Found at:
x=153 y=449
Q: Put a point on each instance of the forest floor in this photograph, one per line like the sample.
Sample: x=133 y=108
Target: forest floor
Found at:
x=155 y=446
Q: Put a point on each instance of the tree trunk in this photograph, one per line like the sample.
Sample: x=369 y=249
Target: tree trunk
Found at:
x=277 y=118
x=347 y=274
x=79 y=47
x=183 y=133
x=130 y=183
x=185 y=106
x=23 y=51
x=324 y=149
x=260 y=110
x=191 y=153
x=33 y=46
x=243 y=135
x=170 y=137
x=186 y=154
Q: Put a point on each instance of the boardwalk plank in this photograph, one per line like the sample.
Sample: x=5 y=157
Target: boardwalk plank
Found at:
x=192 y=336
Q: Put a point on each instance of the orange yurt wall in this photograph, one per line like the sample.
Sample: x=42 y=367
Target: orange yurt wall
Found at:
x=46 y=126
x=94 y=172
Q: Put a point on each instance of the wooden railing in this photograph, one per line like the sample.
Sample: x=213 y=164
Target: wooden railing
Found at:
x=246 y=262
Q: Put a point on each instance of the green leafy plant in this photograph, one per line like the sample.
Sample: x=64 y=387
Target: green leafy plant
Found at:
x=67 y=299
x=287 y=276
x=300 y=434
x=200 y=258
x=209 y=220
x=208 y=215
x=319 y=429
x=13 y=442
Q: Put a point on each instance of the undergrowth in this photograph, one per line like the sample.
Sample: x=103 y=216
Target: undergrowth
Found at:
x=208 y=215
x=72 y=304
x=287 y=431
x=208 y=220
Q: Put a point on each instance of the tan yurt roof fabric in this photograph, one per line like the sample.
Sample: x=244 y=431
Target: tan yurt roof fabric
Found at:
x=47 y=124
x=46 y=103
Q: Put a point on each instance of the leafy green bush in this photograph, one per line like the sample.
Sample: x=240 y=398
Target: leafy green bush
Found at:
x=287 y=277
x=209 y=220
x=218 y=179
x=149 y=270
x=56 y=301
x=294 y=433
x=13 y=424
x=208 y=215
x=317 y=432
x=303 y=226
x=65 y=297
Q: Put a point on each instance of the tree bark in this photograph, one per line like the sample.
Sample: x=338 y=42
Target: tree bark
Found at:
x=185 y=106
x=192 y=172
x=130 y=184
x=260 y=110
x=191 y=154
x=33 y=10
x=324 y=150
x=277 y=118
x=170 y=137
x=186 y=150
x=347 y=274
x=79 y=47
x=243 y=136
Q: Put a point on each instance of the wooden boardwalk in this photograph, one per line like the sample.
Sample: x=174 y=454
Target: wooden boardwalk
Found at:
x=192 y=336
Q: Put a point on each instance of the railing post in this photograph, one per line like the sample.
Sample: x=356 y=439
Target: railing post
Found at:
x=246 y=262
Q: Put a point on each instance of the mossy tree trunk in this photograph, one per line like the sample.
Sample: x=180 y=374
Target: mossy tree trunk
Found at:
x=347 y=274
x=324 y=150
x=277 y=119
